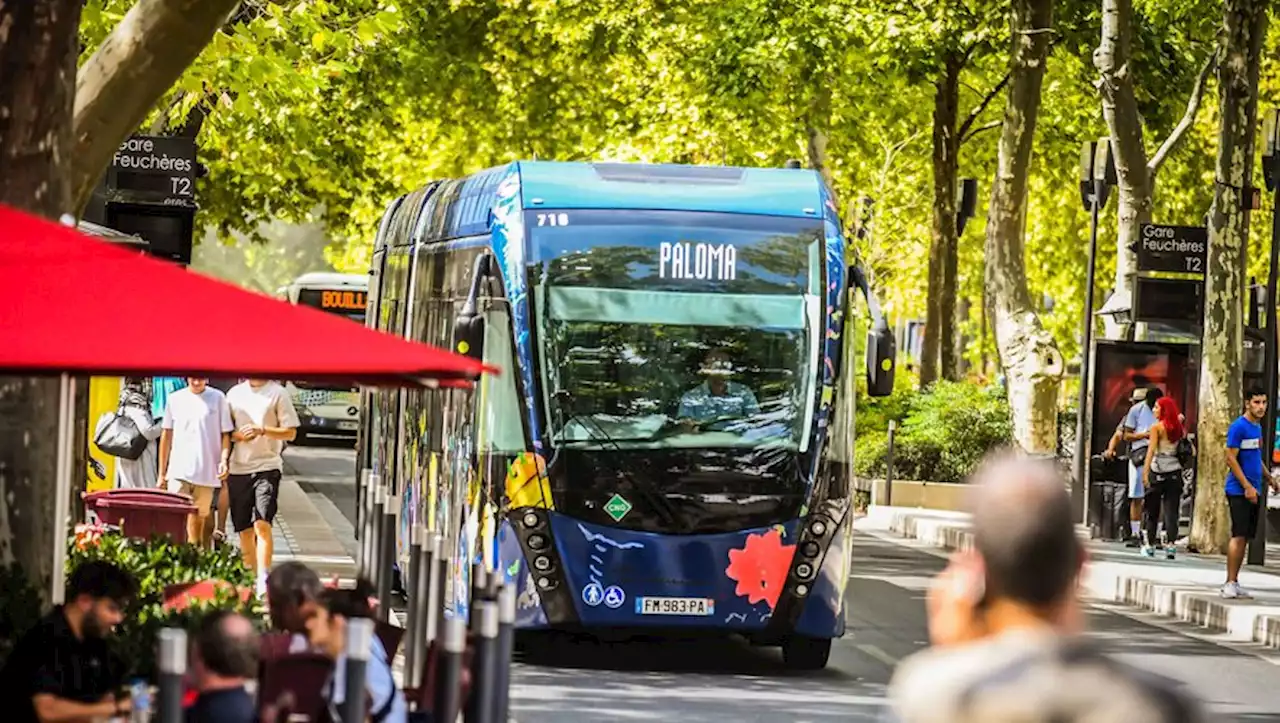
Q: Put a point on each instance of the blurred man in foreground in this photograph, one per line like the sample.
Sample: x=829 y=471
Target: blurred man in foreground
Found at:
x=1004 y=618
x=225 y=660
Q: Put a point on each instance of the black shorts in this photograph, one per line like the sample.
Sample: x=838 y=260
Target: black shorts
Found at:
x=253 y=497
x=1244 y=516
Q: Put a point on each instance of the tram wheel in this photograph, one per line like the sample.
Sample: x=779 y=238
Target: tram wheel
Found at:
x=804 y=653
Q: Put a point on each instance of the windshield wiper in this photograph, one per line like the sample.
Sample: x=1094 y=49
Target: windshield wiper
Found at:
x=656 y=499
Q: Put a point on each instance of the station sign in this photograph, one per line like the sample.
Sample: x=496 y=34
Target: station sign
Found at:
x=1176 y=249
x=1176 y=301
x=153 y=169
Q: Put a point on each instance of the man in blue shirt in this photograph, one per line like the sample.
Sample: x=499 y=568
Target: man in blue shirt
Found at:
x=717 y=398
x=1244 y=458
x=1134 y=429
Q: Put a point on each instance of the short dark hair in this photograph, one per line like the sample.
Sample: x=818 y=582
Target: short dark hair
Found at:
x=230 y=654
x=102 y=581
x=1254 y=391
x=291 y=584
x=1154 y=393
x=349 y=602
x=1024 y=529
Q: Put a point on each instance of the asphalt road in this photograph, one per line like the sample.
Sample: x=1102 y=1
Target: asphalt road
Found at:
x=708 y=680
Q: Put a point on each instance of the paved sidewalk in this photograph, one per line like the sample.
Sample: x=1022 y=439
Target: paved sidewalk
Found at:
x=1185 y=589
x=301 y=533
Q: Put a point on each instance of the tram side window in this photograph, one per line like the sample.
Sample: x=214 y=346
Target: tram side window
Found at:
x=498 y=409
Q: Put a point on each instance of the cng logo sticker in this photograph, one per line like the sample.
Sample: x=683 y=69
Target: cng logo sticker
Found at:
x=617 y=507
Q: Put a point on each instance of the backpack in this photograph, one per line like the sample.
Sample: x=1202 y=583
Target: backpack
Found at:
x=1186 y=452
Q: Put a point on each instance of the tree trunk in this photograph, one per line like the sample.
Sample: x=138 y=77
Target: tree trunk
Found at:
x=38 y=48
x=1120 y=109
x=1032 y=363
x=1221 y=372
x=141 y=59
x=938 y=356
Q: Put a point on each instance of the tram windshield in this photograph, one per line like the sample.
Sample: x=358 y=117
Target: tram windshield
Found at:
x=677 y=329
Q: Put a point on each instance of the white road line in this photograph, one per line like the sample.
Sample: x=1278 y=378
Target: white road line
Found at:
x=878 y=654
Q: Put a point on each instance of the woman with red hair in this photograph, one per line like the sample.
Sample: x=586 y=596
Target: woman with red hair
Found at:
x=1162 y=477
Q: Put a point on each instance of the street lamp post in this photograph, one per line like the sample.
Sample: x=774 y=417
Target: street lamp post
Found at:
x=1097 y=173
x=1271 y=175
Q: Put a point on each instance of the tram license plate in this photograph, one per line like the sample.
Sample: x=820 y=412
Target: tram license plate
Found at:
x=347 y=426
x=675 y=606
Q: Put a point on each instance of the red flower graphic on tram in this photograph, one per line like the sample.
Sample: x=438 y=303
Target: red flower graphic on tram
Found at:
x=760 y=567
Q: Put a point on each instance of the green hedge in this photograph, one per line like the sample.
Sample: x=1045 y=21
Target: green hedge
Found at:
x=943 y=433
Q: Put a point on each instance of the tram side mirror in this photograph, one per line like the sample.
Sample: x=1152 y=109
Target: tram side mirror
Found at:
x=468 y=335
x=882 y=352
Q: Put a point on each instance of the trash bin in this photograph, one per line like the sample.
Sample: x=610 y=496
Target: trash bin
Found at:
x=141 y=513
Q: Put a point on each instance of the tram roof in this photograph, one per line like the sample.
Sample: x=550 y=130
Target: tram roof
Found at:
x=670 y=187
x=332 y=279
x=461 y=207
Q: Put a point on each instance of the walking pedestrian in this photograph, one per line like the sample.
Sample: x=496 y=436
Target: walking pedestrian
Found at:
x=1162 y=478
x=1134 y=431
x=140 y=472
x=1005 y=617
x=1246 y=471
x=194 y=450
x=264 y=420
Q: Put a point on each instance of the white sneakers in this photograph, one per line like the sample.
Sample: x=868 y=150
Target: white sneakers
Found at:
x=1233 y=591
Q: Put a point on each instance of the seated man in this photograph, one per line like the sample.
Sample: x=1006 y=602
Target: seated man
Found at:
x=291 y=588
x=62 y=670
x=225 y=660
x=717 y=398
x=327 y=626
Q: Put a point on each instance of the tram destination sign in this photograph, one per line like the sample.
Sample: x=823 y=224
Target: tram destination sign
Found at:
x=154 y=169
x=1179 y=249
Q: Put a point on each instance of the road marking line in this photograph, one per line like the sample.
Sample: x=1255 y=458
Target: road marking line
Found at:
x=878 y=654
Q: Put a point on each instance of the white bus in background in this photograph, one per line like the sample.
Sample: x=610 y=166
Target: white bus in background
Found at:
x=323 y=411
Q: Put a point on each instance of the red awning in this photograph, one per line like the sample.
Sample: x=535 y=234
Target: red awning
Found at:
x=75 y=304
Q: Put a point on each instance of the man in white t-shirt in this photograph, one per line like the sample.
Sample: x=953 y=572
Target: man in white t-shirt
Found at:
x=194 y=449
x=264 y=420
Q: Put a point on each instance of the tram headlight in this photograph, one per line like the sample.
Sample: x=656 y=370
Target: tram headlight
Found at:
x=802 y=590
x=537 y=542
x=542 y=563
x=546 y=583
x=810 y=548
x=804 y=571
x=818 y=528
x=531 y=519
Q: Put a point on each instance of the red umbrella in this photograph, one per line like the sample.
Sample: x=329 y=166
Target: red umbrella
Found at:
x=76 y=305
x=80 y=305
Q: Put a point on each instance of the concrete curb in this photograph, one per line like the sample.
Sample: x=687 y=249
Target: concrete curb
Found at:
x=1240 y=620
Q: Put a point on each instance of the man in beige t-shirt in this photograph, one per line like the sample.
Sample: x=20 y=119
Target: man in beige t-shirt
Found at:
x=264 y=420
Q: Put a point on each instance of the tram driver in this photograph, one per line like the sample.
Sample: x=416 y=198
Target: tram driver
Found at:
x=716 y=399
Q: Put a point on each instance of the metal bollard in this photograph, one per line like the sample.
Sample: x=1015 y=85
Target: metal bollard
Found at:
x=479 y=582
x=359 y=649
x=448 y=694
x=435 y=566
x=506 y=648
x=172 y=662
x=372 y=565
x=387 y=555
x=444 y=563
x=484 y=668
x=364 y=503
x=888 y=465
x=413 y=625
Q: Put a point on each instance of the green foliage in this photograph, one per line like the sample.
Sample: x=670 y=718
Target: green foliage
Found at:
x=942 y=434
x=158 y=563
x=19 y=607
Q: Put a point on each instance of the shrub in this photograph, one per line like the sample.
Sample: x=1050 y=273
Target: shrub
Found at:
x=158 y=563
x=943 y=433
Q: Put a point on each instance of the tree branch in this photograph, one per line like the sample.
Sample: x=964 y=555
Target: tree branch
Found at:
x=1188 y=119
x=981 y=106
x=138 y=62
x=989 y=126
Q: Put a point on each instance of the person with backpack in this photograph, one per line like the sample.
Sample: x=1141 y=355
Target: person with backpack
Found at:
x=326 y=622
x=1167 y=452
